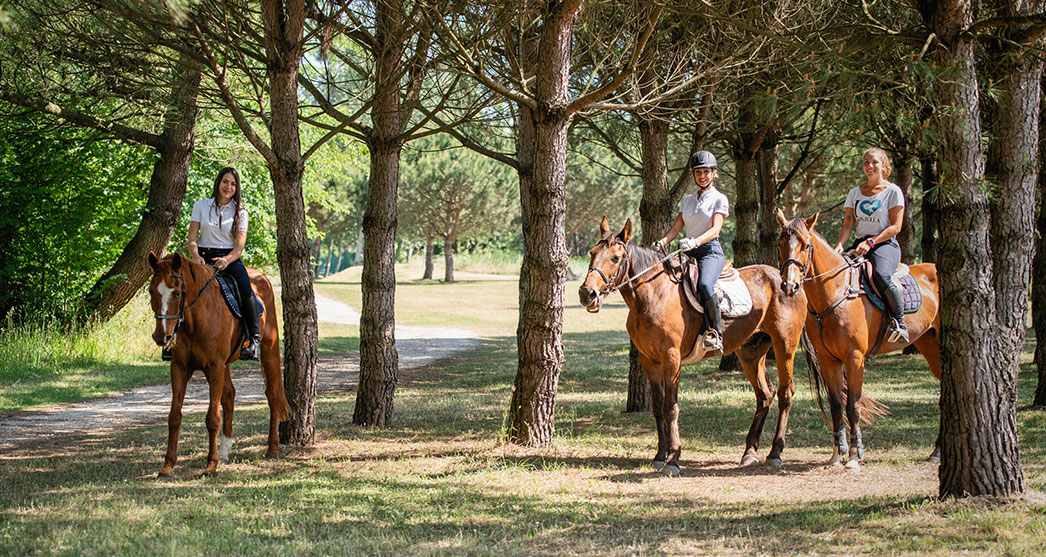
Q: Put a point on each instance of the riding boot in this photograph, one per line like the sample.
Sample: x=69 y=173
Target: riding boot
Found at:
x=893 y=296
x=251 y=323
x=714 y=335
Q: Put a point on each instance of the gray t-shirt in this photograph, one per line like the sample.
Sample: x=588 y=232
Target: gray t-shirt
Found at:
x=872 y=214
x=697 y=210
x=216 y=224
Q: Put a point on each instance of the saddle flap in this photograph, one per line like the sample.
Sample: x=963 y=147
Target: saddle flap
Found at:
x=231 y=294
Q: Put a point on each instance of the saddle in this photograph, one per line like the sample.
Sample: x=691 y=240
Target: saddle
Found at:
x=734 y=297
x=912 y=298
x=231 y=293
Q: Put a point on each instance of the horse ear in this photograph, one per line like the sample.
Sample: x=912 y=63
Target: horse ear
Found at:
x=153 y=260
x=781 y=218
x=810 y=222
x=626 y=232
x=604 y=226
x=176 y=262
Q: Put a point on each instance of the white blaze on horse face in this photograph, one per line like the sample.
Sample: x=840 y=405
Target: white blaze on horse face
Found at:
x=793 y=242
x=166 y=297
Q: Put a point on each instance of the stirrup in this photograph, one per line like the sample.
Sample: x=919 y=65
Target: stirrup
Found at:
x=896 y=333
x=167 y=353
x=713 y=342
x=252 y=351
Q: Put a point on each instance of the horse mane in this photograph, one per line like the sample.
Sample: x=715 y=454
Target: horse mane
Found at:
x=643 y=257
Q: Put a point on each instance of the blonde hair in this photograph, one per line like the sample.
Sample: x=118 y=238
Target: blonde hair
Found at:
x=884 y=159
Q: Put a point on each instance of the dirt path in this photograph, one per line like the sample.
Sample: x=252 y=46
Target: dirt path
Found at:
x=417 y=346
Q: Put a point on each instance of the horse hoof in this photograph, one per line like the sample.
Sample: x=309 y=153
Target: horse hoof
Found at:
x=749 y=460
x=658 y=464
x=774 y=463
x=934 y=457
x=164 y=477
x=671 y=470
x=854 y=465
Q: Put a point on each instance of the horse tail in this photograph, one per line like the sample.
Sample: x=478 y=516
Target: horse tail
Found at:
x=813 y=370
x=871 y=409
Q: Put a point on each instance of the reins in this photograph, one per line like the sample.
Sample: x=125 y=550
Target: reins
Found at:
x=848 y=293
x=623 y=267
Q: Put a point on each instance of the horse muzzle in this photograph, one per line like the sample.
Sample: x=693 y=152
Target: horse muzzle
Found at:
x=790 y=288
x=591 y=299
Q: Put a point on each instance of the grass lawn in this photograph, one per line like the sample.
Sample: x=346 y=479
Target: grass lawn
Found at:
x=441 y=481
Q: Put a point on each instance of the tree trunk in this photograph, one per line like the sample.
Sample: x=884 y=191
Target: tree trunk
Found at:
x=1038 y=298
x=283 y=24
x=163 y=209
x=657 y=211
x=905 y=178
x=930 y=181
x=330 y=256
x=341 y=252
x=379 y=360
x=768 y=227
x=448 y=259
x=978 y=411
x=430 y=251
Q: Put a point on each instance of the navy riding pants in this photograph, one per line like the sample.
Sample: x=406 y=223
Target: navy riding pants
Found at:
x=711 y=261
x=235 y=269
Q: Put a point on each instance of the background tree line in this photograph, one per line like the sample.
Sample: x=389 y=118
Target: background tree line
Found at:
x=400 y=121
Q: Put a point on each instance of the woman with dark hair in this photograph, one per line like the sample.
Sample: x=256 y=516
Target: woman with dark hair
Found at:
x=217 y=234
x=703 y=213
x=875 y=212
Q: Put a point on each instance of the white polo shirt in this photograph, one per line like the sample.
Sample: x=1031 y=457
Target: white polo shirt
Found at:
x=698 y=208
x=216 y=223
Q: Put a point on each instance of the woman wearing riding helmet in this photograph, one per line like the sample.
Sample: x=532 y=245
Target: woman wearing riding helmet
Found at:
x=876 y=207
x=703 y=212
x=219 y=223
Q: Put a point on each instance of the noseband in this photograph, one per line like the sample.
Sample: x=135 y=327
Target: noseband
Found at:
x=621 y=268
x=804 y=268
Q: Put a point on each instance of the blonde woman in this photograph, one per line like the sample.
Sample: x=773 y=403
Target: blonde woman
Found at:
x=874 y=213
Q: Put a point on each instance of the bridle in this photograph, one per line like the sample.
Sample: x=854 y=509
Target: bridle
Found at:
x=182 y=310
x=804 y=268
x=623 y=266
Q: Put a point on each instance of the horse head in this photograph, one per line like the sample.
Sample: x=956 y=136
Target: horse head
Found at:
x=167 y=296
x=608 y=265
x=795 y=249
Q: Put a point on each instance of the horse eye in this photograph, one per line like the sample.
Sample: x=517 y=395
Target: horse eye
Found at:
x=616 y=258
x=176 y=294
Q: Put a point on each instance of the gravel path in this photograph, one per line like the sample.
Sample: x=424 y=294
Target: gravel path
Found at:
x=417 y=346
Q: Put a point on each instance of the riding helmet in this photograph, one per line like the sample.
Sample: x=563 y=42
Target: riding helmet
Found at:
x=702 y=159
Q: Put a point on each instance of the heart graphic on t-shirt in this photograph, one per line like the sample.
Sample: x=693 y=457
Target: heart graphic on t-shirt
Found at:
x=869 y=207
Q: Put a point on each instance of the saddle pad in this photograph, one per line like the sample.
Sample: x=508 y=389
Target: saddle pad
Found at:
x=912 y=298
x=232 y=295
x=734 y=297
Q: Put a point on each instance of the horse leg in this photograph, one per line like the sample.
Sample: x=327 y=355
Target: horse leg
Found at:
x=854 y=385
x=279 y=409
x=216 y=382
x=671 y=418
x=754 y=364
x=832 y=371
x=228 y=398
x=785 y=390
x=929 y=346
x=179 y=379
x=657 y=403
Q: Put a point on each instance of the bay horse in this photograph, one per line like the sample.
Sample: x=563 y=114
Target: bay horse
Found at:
x=191 y=313
x=844 y=329
x=663 y=327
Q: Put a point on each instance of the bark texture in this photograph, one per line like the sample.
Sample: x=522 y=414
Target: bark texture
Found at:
x=283 y=24
x=541 y=147
x=448 y=259
x=430 y=250
x=928 y=240
x=978 y=404
x=904 y=179
x=163 y=209
x=1038 y=297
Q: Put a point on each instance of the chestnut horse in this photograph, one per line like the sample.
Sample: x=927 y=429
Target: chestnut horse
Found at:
x=191 y=314
x=844 y=330
x=664 y=327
